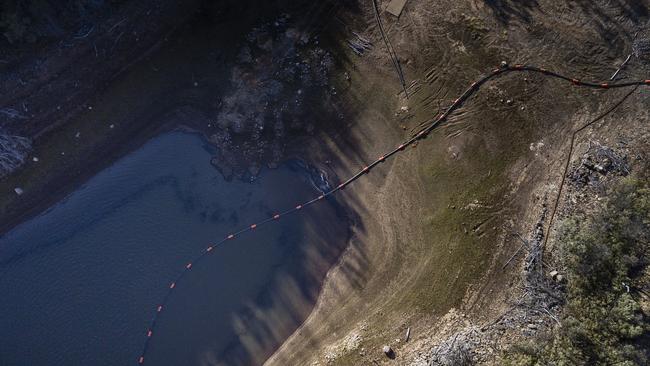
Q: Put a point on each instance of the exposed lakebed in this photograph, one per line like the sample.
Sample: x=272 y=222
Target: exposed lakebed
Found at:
x=80 y=283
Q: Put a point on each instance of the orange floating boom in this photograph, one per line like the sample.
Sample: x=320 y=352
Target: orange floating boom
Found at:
x=413 y=141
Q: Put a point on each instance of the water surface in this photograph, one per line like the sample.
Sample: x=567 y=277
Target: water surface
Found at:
x=80 y=283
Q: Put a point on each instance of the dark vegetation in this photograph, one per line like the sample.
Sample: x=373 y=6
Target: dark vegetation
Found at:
x=605 y=255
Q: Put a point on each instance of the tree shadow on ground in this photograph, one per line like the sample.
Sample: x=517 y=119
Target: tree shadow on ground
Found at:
x=522 y=10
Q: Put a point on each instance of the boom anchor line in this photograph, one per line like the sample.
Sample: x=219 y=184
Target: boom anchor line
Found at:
x=419 y=135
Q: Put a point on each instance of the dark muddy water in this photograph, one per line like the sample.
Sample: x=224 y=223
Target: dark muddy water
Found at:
x=80 y=283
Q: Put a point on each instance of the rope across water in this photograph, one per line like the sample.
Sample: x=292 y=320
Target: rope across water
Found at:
x=421 y=134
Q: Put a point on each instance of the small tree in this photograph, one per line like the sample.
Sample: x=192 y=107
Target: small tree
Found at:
x=604 y=254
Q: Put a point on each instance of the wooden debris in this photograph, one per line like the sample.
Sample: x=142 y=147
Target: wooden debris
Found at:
x=395 y=7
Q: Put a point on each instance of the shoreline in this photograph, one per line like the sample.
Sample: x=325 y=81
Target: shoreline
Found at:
x=120 y=115
x=305 y=269
x=116 y=120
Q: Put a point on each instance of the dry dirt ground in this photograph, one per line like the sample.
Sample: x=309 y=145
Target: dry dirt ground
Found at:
x=433 y=226
x=436 y=223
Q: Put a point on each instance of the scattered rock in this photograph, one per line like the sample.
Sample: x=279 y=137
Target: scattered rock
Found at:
x=278 y=75
x=388 y=351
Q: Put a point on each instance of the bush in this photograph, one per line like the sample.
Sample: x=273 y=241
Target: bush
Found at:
x=604 y=256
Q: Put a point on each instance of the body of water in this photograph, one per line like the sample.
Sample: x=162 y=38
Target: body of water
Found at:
x=80 y=282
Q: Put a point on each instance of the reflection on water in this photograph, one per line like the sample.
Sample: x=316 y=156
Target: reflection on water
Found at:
x=79 y=283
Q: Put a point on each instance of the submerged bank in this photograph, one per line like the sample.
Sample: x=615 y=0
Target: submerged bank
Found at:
x=86 y=275
x=215 y=68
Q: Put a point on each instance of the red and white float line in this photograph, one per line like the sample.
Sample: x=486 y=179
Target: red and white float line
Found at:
x=421 y=134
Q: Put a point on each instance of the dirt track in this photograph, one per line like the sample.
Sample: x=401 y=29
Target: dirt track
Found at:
x=437 y=241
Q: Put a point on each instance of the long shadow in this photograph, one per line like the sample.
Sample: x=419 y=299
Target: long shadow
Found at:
x=608 y=14
x=263 y=323
x=506 y=10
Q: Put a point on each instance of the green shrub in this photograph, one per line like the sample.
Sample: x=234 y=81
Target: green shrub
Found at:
x=604 y=254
